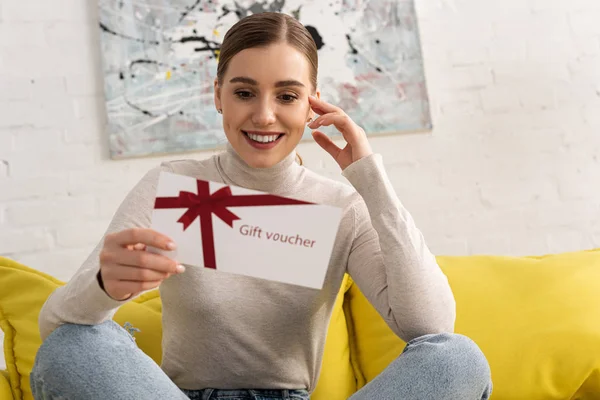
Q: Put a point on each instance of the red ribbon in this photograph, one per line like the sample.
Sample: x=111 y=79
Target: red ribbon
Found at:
x=203 y=204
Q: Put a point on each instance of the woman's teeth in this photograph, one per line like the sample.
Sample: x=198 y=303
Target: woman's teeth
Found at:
x=263 y=138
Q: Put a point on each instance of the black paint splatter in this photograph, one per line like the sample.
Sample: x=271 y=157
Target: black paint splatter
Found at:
x=144 y=61
x=226 y=11
x=316 y=36
x=354 y=51
x=189 y=9
x=352 y=48
x=202 y=39
x=135 y=107
x=209 y=45
x=108 y=30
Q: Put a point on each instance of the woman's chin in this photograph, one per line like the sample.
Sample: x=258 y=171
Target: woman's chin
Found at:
x=264 y=157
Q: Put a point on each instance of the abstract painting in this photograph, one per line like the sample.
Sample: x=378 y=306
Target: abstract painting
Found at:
x=160 y=60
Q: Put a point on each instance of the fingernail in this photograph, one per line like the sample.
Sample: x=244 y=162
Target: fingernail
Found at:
x=180 y=269
x=171 y=246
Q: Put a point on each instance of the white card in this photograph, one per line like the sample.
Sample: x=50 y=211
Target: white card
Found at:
x=252 y=234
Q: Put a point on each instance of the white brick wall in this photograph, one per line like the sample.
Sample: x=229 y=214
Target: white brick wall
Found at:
x=512 y=166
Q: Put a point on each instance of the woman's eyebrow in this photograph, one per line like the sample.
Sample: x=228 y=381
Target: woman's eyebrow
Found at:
x=243 y=79
x=289 y=82
x=253 y=82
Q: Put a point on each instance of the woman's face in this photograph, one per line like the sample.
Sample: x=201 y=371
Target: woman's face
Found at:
x=264 y=99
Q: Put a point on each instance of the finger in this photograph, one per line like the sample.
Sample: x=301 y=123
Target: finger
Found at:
x=321 y=106
x=342 y=122
x=141 y=259
x=126 y=273
x=326 y=143
x=318 y=110
x=148 y=237
x=319 y=121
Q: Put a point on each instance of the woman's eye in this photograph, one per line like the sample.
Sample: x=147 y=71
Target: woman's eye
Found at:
x=288 y=98
x=243 y=94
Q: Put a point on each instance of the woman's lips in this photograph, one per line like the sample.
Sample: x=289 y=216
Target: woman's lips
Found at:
x=262 y=140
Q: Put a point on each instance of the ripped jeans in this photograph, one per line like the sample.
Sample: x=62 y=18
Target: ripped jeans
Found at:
x=103 y=362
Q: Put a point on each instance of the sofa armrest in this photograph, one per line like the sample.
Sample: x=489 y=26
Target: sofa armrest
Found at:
x=5 y=391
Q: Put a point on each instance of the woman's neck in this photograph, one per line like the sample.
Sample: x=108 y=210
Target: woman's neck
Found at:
x=281 y=178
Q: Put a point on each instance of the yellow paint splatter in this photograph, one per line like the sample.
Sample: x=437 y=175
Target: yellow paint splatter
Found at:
x=168 y=75
x=217 y=54
x=215 y=32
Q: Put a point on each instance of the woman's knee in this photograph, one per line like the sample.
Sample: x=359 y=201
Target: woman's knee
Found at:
x=87 y=362
x=457 y=349
x=458 y=355
x=467 y=353
x=72 y=346
x=475 y=364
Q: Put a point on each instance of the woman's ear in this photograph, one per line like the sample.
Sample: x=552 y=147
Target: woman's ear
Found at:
x=311 y=114
x=217 y=94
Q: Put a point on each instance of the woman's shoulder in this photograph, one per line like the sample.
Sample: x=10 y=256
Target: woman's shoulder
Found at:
x=326 y=190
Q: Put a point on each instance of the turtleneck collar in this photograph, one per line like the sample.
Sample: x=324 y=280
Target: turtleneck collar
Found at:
x=278 y=179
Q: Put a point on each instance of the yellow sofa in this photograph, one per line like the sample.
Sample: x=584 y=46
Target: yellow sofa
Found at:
x=537 y=319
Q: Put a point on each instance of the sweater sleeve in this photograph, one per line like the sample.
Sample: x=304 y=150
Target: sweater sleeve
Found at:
x=389 y=260
x=82 y=300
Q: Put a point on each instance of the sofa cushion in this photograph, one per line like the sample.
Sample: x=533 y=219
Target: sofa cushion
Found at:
x=5 y=391
x=24 y=291
x=535 y=318
x=22 y=295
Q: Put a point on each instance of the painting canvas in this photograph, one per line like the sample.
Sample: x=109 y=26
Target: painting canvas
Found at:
x=160 y=60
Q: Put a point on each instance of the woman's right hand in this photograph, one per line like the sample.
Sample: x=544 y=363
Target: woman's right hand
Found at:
x=127 y=269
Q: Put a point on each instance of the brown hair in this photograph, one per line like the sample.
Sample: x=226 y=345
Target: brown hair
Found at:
x=264 y=29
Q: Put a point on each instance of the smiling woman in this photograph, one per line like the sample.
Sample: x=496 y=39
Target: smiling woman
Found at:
x=267 y=71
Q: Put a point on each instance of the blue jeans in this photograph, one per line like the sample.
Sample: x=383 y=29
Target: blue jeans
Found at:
x=103 y=362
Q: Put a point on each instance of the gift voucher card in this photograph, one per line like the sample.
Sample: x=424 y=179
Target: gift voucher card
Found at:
x=236 y=230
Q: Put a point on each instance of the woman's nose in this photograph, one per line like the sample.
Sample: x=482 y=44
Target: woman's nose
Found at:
x=264 y=114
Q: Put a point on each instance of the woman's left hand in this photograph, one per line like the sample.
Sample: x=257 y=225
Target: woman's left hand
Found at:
x=357 y=144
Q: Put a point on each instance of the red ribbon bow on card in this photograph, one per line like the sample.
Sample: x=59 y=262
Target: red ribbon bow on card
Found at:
x=203 y=204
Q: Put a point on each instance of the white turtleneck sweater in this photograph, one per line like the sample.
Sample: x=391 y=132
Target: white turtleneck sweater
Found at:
x=230 y=331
